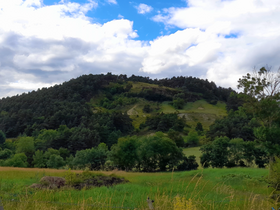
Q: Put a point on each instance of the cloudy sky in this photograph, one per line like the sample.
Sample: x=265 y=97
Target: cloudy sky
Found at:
x=45 y=42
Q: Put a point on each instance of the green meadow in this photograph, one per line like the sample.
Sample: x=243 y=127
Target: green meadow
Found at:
x=235 y=188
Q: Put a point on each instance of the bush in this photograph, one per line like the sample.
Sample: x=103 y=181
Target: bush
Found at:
x=274 y=179
x=192 y=139
x=5 y=154
x=188 y=163
x=19 y=160
x=55 y=161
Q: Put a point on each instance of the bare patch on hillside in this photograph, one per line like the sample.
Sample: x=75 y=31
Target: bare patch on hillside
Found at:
x=132 y=111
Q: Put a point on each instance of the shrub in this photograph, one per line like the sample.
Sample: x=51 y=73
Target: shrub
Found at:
x=192 y=138
x=19 y=160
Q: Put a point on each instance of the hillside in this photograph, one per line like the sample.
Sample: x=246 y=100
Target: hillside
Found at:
x=109 y=105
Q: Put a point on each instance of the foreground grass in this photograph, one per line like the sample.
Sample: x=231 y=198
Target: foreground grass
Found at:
x=237 y=188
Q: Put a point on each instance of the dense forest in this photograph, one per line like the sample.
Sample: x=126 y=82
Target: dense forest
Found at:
x=85 y=123
x=66 y=104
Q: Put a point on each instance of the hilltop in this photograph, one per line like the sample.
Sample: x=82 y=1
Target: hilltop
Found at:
x=106 y=107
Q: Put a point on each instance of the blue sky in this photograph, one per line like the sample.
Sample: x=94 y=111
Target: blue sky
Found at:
x=46 y=42
x=147 y=29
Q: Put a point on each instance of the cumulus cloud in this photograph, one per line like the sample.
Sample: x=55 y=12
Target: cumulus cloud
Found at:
x=219 y=40
x=233 y=37
x=143 y=8
x=43 y=45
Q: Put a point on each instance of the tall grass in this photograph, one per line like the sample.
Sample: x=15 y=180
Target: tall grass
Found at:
x=202 y=189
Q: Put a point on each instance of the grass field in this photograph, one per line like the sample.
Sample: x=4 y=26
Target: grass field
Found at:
x=236 y=188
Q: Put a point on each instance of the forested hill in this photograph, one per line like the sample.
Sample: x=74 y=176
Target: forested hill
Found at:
x=71 y=103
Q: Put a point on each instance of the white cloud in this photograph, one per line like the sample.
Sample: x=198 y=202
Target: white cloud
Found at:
x=143 y=8
x=254 y=24
x=112 y=1
x=42 y=45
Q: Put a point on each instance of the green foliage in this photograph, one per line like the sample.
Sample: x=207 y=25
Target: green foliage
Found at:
x=26 y=145
x=274 y=178
x=215 y=153
x=269 y=137
x=124 y=154
x=113 y=138
x=236 y=125
x=5 y=154
x=94 y=158
x=231 y=153
x=39 y=160
x=71 y=178
x=164 y=122
x=147 y=108
x=178 y=103
x=2 y=137
x=234 y=102
x=51 y=152
x=192 y=139
x=19 y=160
x=154 y=153
x=55 y=161
x=188 y=163
x=159 y=152
x=199 y=127
x=176 y=137
x=64 y=153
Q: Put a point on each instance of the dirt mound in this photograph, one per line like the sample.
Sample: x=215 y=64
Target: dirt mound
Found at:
x=99 y=181
x=79 y=182
x=50 y=182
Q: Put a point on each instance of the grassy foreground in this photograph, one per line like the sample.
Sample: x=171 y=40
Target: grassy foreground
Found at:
x=237 y=188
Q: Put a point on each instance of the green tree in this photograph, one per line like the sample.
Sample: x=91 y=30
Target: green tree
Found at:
x=216 y=153
x=5 y=154
x=236 y=150
x=159 y=153
x=2 y=137
x=192 y=138
x=178 y=103
x=124 y=153
x=261 y=93
x=19 y=160
x=51 y=152
x=64 y=153
x=274 y=178
x=39 y=160
x=94 y=158
x=176 y=137
x=26 y=145
x=199 y=127
x=55 y=161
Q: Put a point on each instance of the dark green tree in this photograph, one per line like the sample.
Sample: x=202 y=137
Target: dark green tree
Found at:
x=216 y=153
x=26 y=145
x=2 y=137
x=124 y=153
x=176 y=137
x=199 y=127
x=55 y=161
